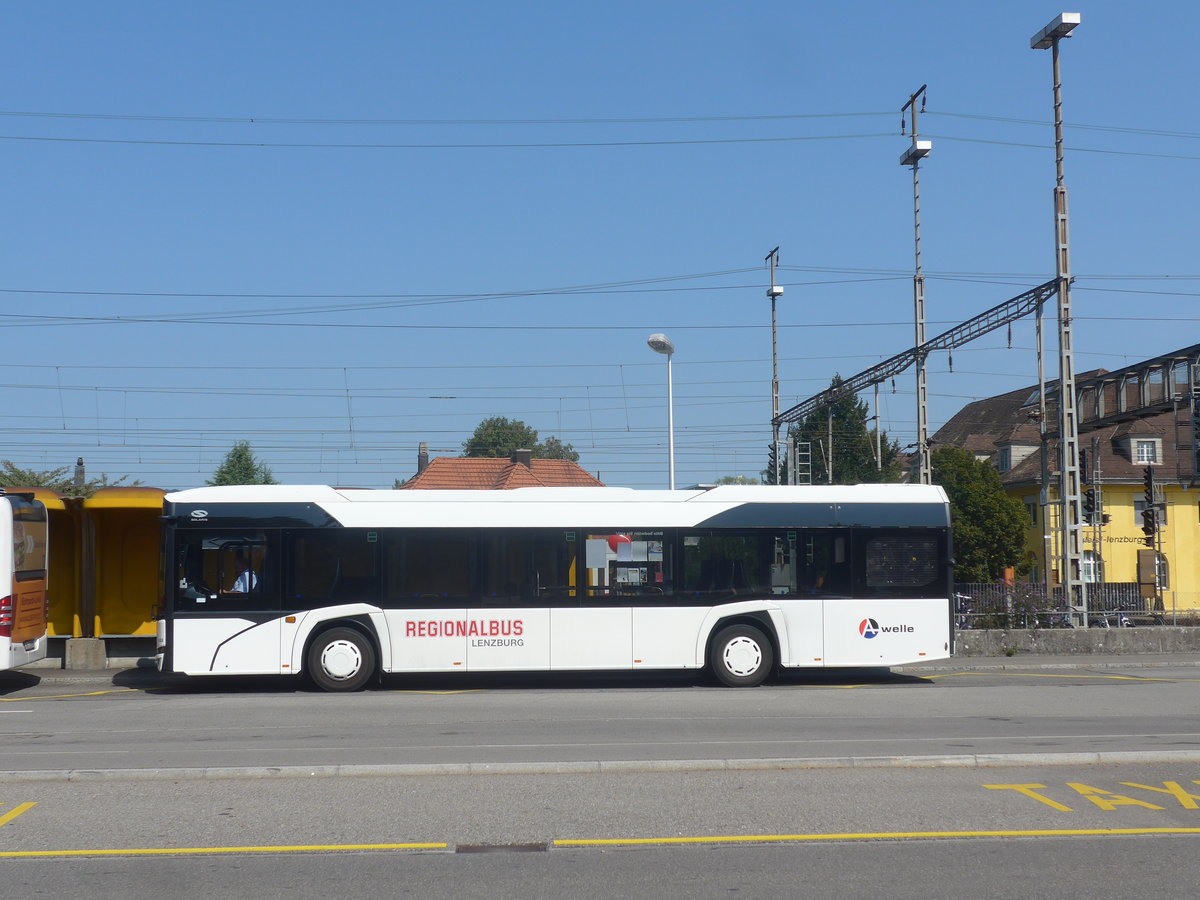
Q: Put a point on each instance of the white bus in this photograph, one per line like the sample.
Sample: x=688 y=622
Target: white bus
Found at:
x=345 y=585
x=24 y=604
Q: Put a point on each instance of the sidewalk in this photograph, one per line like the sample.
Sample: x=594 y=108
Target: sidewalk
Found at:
x=1034 y=661
x=138 y=677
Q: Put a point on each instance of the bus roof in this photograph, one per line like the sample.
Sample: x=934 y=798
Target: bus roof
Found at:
x=882 y=505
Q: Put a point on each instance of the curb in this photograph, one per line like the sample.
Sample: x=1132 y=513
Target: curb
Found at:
x=611 y=767
x=141 y=675
x=1019 y=663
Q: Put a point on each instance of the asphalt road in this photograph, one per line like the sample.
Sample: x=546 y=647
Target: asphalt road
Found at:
x=863 y=714
x=946 y=783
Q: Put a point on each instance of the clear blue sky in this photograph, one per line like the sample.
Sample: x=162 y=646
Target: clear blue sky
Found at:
x=386 y=265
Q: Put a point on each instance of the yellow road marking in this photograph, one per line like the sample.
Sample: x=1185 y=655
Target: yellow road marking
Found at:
x=869 y=836
x=67 y=696
x=171 y=851
x=19 y=809
x=439 y=693
x=613 y=842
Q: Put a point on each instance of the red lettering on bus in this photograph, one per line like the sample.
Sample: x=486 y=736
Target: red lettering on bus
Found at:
x=466 y=628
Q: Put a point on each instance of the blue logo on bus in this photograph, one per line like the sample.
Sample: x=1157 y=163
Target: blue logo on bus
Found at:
x=868 y=628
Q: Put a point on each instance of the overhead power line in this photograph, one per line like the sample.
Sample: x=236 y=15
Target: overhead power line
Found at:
x=279 y=120
x=1115 y=129
x=300 y=145
x=601 y=120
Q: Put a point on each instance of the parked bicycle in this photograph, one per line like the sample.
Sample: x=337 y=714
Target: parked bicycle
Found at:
x=963 y=612
x=1110 y=618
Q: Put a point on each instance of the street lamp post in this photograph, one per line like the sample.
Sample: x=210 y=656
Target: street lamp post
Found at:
x=660 y=343
x=774 y=292
x=1070 y=494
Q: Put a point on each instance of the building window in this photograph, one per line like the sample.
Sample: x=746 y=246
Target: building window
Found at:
x=1162 y=572
x=1004 y=459
x=1089 y=567
x=1139 y=505
x=1146 y=451
x=1031 y=509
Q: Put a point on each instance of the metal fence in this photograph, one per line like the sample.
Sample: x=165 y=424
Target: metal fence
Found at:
x=1020 y=605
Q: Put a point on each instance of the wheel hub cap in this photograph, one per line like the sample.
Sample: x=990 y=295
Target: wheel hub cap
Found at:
x=743 y=656
x=341 y=660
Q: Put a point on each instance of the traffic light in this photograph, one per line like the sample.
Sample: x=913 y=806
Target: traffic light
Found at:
x=772 y=463
x=1085 y=470
x=1149 y=521
x=1089 y=503
x=1148 y=481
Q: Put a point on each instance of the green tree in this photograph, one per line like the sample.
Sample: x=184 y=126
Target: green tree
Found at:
x=853 y=444
x=61 y=480
x=989 y=525
x=499 y=437
x=737 y=479
x=241 y=467
x=553 y=448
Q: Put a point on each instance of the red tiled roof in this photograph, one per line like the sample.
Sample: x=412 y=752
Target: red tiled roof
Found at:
x=1174 y=465
x=977 y=426
x=448 y=473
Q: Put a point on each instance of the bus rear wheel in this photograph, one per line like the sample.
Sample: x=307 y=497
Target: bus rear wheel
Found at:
x=741 y=656
x=340 y=659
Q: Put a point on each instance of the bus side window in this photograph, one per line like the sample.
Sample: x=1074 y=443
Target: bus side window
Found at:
x=730 y=565
x=628 y=563
x=217 y=572
x=898 y=565
x=826 y=564
x=555 y=569
x=327 y=567
x=428 y=567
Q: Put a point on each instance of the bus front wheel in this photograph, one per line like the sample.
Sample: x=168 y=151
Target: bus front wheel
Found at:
x=340 y=659
x=741 y=656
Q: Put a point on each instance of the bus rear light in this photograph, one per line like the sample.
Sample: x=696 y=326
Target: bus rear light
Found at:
x=6 y=616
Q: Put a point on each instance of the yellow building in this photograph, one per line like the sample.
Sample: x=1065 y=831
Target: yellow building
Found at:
x=1132 y=422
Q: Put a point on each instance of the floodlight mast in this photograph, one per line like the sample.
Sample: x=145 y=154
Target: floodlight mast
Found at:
x=1060 y=27
x=774 y=292
x=1070 y=492
x=912 y=157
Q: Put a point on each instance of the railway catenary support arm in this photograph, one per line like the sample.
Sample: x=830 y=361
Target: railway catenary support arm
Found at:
x=990 y=320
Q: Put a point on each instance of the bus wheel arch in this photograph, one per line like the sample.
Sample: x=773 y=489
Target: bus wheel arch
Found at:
x=742 y=651
x=341 y=655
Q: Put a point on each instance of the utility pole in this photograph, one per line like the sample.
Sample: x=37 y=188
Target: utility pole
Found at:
x=912 y=157
x=878 y=444
x=1075 y=592
x=774 y=292
x=829 y=459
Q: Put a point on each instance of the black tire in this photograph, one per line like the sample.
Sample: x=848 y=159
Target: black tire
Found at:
x=741 y=656
x=340 y=659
